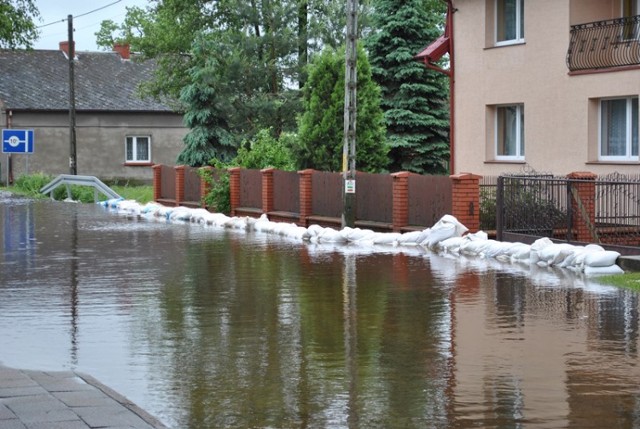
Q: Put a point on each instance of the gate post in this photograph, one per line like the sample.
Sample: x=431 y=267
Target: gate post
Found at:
x=306 y=196
x=179 y=184
x=234 y=189
x=583 y=208
x=400 y=216
x=267 y=189
x=157 y=181
x=466 y=199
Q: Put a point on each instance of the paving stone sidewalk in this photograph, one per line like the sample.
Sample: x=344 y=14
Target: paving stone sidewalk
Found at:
x=65 y=400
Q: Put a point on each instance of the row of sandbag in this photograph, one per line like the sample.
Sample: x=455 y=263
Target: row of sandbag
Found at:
x=448 y=235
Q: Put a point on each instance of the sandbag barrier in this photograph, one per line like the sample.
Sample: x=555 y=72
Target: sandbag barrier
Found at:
x=447 y=236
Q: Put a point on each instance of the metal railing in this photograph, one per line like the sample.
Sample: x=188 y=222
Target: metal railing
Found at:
x=603 y=44
x=68 y=179
x=531 y=207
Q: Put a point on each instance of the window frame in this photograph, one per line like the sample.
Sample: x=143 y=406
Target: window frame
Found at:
x=628 y=157
x=520 y=133
x=135 y=159
x=519 y=21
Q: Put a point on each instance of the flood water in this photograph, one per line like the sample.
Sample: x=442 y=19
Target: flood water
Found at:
x=207 y=328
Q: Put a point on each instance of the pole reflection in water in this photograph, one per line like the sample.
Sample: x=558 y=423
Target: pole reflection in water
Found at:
x=73 y=296
x=349 y=285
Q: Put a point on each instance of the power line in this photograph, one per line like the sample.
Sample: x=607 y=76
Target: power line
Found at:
x=83 y=14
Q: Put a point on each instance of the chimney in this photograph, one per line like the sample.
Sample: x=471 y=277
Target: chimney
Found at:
x=64 y=47
x=123 y=49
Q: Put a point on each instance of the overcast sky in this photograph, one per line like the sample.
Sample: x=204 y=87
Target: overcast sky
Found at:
x=55 y=11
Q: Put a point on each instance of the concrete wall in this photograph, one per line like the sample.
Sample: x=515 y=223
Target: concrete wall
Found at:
x=100 y=147
x=561 y=110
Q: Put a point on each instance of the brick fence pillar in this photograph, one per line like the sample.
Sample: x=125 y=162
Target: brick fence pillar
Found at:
x=466 y=199
x=267 y=189
x=157 y=182
x=583 y=199
x=306 y=196
x=179 y=184
x=234 y=189
x=206 y=175
x=400 y=193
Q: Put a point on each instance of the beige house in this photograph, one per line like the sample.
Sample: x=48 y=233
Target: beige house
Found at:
x=550 y=85
x=118 y=134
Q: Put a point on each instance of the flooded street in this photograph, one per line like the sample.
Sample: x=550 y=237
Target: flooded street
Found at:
x=210 y=328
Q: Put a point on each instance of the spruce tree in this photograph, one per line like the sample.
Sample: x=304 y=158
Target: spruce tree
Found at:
x=414 y=98
x=321 y=127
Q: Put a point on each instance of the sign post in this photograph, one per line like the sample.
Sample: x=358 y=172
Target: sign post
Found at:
x=18 y=141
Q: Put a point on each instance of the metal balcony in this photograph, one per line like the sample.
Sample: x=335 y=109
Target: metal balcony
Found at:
x=604 y=44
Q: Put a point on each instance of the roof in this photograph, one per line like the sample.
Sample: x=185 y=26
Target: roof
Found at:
x=39 y=80
x=435 y=50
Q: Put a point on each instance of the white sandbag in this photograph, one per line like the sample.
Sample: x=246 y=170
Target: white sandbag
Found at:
x=474 y=247
x=452 y=244
x=386 y=238
x=555 y=254
x=180 y=213
x=330 y=235
x=520 y=252
x=594 y=247
x=198 y=215
x=412 y=238
x=440 y=233
x=599 y=271
x=460 y=229
x=604 y=258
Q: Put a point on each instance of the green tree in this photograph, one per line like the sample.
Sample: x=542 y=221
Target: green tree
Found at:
x=414 y=98
x=17 y=26
x=321 y=127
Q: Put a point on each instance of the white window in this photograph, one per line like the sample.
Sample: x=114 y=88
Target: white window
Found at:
x=509 y=133
x=619 y=129
x=509 y=22
x=138 y=149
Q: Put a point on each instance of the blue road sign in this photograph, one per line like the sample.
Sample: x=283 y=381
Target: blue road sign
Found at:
x=17 y=141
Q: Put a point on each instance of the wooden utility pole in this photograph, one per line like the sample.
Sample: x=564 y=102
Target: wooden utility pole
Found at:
x=73 y=169
x=349 y=149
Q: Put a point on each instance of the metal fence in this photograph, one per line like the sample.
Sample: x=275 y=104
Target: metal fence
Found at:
x=529 y=207
x=430 y=198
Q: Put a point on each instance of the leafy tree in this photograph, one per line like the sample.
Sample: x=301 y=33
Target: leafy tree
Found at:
x=266 y=151
x=17 y=26
x=321 y=127
x=414 y=98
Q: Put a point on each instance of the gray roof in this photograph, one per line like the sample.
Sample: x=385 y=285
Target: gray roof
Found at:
x=39 y=80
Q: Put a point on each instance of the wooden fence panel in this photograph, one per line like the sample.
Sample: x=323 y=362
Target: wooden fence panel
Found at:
x=429 y=199
x=374 y=197
x=168 y=182
x=286 y=191
x=251 y=188
x=327 y=194
x=191 y=184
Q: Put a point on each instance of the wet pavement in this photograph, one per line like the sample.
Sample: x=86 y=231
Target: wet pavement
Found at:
x=69 y=400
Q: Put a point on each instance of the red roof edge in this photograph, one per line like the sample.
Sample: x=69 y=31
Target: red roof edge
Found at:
x=435 y=50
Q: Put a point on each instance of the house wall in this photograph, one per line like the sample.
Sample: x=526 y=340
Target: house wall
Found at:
x=100 y=143
x=561 y=111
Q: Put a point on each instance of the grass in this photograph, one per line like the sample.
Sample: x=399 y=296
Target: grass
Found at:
x=30 y=185
x=626 y=280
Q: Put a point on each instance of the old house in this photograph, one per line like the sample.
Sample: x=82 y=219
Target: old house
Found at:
x=545 y=84
x=119 y=135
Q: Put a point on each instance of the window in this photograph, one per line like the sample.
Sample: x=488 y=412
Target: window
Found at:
x=619 y=129
x=509 y=22
x=509 y=134
x=629 y=9
x=138 y=149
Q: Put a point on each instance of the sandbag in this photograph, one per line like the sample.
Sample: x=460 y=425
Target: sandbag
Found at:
x=600 y=271
x=602 y=258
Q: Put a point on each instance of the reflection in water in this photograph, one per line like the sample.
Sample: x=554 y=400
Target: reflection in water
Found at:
x=211 y=329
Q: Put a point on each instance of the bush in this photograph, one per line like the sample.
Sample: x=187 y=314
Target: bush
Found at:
x=31 y=184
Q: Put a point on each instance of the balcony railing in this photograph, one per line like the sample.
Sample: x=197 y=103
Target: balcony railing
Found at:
x=604 y=44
